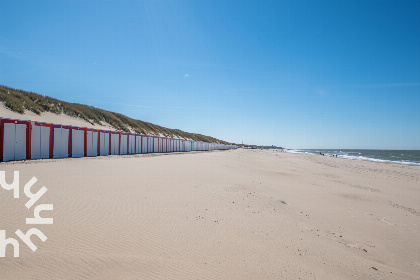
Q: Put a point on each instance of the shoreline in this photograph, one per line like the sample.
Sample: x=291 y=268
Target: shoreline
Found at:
x=362 y=159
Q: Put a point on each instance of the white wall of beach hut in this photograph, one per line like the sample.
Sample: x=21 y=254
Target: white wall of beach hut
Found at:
x=155 y=144
x=150 y=146
x=165 y=145
x=92 y=140
x=182 y=144
x=138 y=144
x=14 y=140
x=61 y=141
x=143 y=144
x=115 y=143
x=41 y=140
x=132 y=144
x=104 y=145
x=123 y=143
x=77 y=141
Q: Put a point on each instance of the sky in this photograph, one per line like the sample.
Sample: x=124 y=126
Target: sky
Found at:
x=296 y=74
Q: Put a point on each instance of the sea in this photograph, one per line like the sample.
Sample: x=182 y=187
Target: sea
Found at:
x=411 y=157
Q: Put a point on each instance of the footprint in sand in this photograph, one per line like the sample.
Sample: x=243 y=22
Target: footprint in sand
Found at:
x=387 y=222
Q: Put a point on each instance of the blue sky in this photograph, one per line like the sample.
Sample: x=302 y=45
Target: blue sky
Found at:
x=298 y=74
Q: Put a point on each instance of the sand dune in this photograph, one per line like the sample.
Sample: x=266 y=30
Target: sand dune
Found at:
x=240 y=214
x=49 y=117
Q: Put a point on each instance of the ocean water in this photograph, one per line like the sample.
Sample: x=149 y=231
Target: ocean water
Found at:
x=411 y=157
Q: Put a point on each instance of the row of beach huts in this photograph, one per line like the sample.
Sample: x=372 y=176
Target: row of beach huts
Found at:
x=24 y=140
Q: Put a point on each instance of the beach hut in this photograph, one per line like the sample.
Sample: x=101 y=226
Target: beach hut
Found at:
x=104 y=146
x=77 y=147
x=143 y=144
x=155 y=144
x=123 y=143
x=61 y=141
x=92 y=142
x=138 y=140
x=182 y=145
x=15 y=140
x=150 y=141
x=165 y=145
x=41 y=140
x=114 y=147
x=131 y=144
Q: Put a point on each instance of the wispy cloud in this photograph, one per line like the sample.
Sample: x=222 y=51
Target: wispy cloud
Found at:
x=13 y=54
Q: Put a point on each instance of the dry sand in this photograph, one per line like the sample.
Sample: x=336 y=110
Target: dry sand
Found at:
x=241 y=214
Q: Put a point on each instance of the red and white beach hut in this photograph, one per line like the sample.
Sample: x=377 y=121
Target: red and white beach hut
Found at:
x=155 y=144
x=165 y=145
x=143 y=144
x=14 y=140
x=114 y=147
x=41 y=140
x=131 y=144
x=138 y=140
x=61 y=141
x=150 y=144
x=77 y=139
x=104 y=143
x=123 y=143
x=92 y=142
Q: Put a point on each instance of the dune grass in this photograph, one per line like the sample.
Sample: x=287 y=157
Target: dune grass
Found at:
x=20 y=100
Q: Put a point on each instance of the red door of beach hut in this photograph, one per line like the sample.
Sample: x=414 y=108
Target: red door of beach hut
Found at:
x=61 y=141
x=41 y=140
x=77 y=147
x=15 y=140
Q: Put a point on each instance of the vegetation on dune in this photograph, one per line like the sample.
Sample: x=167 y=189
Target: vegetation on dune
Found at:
x=19 y=101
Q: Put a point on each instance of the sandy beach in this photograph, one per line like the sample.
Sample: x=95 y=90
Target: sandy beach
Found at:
x=240 y=214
